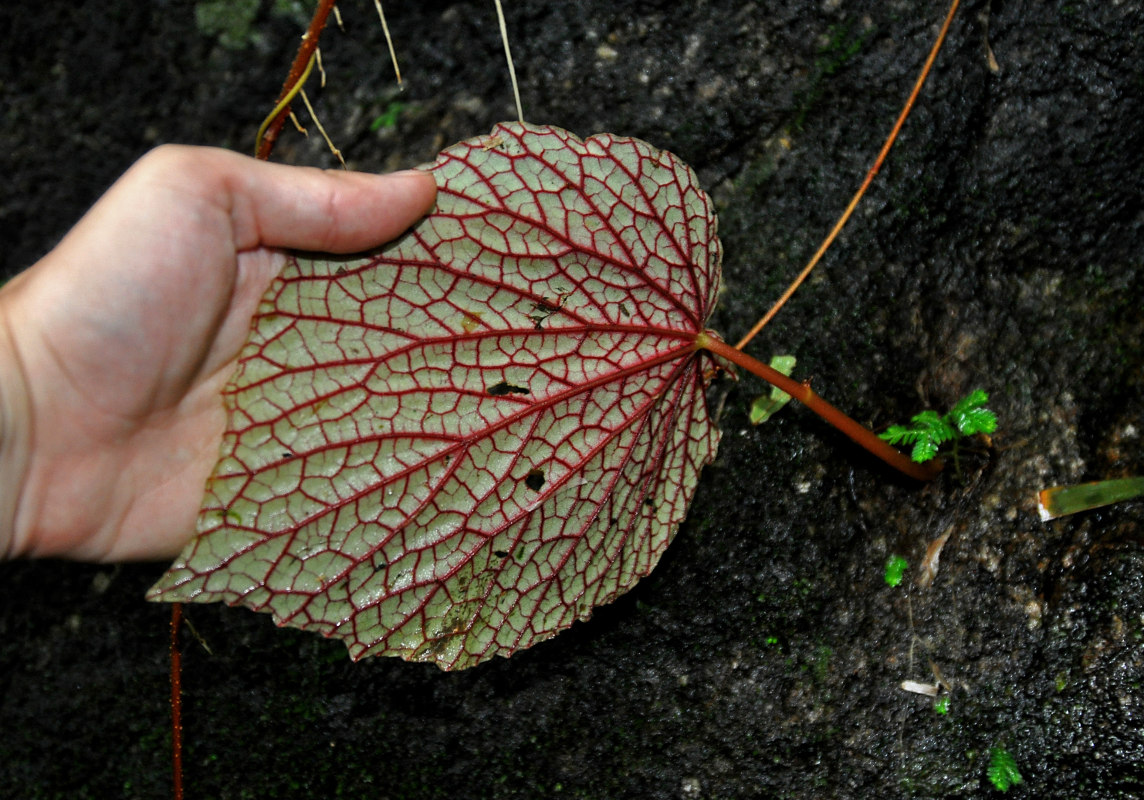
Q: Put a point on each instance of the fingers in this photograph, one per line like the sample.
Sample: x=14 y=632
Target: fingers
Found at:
x=302 y=208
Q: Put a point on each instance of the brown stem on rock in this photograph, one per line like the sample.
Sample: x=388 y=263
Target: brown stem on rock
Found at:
x=859 y=434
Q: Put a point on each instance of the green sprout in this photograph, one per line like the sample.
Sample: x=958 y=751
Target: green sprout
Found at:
x=895 y=568
x=1003 y=772
x=765 y=406
x=387 y=118
x=941 y=705
x=929 y=431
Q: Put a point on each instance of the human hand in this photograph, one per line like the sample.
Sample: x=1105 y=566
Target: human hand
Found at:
x=115 y=346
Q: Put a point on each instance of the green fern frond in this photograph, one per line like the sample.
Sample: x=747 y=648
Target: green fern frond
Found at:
x=900 y=434
x=975 y=399
x=924 y=450
x=1003 y=773
x=976 y=420
x=937 y=428
x=928 y=430
x=971 y=417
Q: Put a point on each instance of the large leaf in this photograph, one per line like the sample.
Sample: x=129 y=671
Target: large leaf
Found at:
x=457 y=446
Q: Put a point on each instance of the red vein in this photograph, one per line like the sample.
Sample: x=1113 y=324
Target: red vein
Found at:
x=682 y=354
x=630 y=266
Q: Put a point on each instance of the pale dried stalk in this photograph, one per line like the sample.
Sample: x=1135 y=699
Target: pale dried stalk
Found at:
x=322 y=130
x=388 y=41
x=508 y=56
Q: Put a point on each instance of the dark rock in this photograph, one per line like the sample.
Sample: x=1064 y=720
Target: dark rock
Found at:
x=1001 y=247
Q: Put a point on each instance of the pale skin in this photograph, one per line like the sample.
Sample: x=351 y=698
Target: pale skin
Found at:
x=114 y=347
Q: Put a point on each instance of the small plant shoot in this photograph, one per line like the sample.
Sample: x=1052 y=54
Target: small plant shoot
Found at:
x=387 y=118
x=1003 y=772
x=929 y=431
x=766 y=406
x=896 y=567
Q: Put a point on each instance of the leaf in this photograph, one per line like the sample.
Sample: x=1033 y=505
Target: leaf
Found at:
x=976 y=420
x=927 y=433
x=933 y=426
x=388 y=117
x=1059 y=501
x=899 y=434
x=975 y=399
x=1003 y=773
x=766 y=406
x=459 y=445
x=969 y=416
x=924 y=449
x=896 y=567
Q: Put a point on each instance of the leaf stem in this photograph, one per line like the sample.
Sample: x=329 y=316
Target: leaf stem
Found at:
x=294 y=79
x=842 y=220
x=859 y=434
x=284 y=104
x=176 y=703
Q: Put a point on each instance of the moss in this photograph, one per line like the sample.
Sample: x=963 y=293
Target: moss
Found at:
x=232 y=21
x=843 y=43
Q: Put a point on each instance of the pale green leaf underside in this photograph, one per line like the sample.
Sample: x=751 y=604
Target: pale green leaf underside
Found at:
x=458 y=446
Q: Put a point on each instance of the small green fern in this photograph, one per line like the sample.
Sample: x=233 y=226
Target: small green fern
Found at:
x=1003 y=773
x=928 y=431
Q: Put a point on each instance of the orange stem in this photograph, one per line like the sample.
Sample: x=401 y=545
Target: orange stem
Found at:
x=830 y=237
x=859 y=434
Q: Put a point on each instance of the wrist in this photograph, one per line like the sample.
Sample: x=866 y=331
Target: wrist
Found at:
x=15 y=439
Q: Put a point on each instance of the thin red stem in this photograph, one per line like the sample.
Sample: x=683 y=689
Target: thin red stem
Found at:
x=301 y=60
x=859 y=434
x=298 y=71
x=176 y=701
x=842 y=220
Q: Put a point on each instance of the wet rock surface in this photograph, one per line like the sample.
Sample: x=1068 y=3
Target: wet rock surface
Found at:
x=1001 y=247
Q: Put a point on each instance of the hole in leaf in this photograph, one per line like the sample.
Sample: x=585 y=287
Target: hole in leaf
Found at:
x=542 y=311
x=535 y=480
x=504 y=387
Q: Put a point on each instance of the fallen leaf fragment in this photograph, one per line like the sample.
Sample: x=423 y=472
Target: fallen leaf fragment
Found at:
x=1059 y=501
x=916 y=687
x=928 y=568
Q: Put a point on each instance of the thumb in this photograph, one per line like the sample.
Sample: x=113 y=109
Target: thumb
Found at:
x=280 y=206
